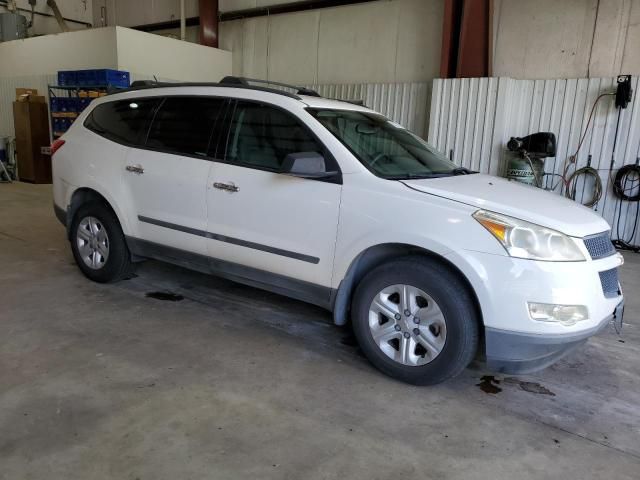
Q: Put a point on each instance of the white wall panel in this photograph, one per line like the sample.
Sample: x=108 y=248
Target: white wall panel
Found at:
x=471 y=121
x=375 y=42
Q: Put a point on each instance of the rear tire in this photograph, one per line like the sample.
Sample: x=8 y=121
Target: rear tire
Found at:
x=416 y=320
x=98 y=244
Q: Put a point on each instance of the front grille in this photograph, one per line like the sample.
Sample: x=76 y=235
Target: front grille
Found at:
x=599 y=245
x=609 y=281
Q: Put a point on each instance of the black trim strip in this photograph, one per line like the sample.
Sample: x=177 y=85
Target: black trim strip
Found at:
x=154 y=27
x=234 y=241
x=290 y=7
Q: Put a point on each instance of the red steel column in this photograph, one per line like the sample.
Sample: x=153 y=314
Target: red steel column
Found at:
x=208 y=22
x=466 y=38
x=475 y=39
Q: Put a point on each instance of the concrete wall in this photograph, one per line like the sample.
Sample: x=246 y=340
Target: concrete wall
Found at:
x=566 y=39
x=80 y=10
x=378 y=42
x=399 y=40
x=128 y=13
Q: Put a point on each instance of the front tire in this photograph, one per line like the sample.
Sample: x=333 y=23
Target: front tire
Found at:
x=415 y=320
x=98 y=244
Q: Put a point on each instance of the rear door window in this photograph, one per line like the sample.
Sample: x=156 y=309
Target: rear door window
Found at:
x=123 y=121
x=186 y=125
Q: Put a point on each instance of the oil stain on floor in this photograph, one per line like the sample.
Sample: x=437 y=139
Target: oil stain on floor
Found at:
x=531 y=387
x=489 y=384
x=167 y=296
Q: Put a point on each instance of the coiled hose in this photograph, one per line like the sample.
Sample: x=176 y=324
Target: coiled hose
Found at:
x=570 y=191
x=621 y=180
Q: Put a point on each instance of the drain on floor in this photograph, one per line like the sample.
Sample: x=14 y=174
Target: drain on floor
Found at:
x=169 y=296
x=489 y=384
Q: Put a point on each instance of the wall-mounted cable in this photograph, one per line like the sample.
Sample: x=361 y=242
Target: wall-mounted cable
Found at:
x=626 y=186
x=571 y=184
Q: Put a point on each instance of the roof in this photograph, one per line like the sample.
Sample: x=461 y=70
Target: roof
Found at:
x=331 y=103
x=310 y=97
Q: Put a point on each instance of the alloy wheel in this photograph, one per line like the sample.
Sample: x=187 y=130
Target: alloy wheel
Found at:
x=407 y=325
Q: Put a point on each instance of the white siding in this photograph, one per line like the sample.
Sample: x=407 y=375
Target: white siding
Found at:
x=471 y=121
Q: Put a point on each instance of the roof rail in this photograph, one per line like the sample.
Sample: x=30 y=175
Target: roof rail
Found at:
x=231 y=80
x=148 y=84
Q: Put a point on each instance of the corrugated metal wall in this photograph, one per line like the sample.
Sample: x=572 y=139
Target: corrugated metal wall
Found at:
x=472 y=119
x=405 y=103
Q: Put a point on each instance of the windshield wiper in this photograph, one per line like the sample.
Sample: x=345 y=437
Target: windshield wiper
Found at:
x=420 y=176
x=413 y=176
x=462 y=171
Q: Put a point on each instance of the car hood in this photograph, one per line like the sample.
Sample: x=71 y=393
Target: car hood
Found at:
x=515 y=199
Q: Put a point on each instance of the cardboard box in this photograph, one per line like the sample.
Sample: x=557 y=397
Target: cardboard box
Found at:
x=25 y=91
x=31 y=98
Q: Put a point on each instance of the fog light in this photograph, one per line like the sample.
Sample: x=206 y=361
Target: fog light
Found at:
x=564 y=314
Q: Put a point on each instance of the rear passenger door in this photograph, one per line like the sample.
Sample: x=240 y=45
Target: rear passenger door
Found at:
x=265 y=220
x=166 y=176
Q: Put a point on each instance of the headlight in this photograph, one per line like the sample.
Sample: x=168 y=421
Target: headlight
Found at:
x=526 y=240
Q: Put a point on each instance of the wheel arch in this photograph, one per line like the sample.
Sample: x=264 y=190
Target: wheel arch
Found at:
x=82 y=196
x=376 y=255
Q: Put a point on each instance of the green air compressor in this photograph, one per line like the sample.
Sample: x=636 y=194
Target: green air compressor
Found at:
x=526 y=164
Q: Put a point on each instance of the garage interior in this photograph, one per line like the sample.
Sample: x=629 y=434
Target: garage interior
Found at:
x=176 y=374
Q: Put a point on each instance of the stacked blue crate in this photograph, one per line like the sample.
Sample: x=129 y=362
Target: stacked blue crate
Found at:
x=76 y=83
x=94 y=78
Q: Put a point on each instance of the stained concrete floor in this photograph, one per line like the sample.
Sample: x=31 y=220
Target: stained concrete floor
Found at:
x=101 y=381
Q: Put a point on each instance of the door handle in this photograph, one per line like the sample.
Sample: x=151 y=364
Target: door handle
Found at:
x=228 y=187
x=135 y=169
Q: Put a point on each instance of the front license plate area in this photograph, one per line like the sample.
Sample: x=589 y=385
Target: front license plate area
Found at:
x=618 y=314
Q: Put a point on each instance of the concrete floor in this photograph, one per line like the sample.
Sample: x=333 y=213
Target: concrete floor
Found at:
x=101 y=381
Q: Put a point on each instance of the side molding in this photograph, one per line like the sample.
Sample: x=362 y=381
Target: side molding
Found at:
x=235 y=241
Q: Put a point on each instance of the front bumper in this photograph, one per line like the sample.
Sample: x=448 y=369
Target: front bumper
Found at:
x=512 y=352
x=61 y=214
x=504 y=285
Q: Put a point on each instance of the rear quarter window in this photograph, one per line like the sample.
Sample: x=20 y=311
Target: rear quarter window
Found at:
x=123 y=121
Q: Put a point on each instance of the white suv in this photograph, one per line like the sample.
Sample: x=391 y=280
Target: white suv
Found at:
x=333 y=204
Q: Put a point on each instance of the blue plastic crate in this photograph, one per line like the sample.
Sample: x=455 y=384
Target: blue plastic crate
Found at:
x=64 y=104
x=83 y=102
x=103 y=78
x=73 y=104
x=67 y=78
x=57 y=125
x=54 y=104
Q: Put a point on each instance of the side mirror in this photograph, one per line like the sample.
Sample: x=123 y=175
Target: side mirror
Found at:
x=306 y=165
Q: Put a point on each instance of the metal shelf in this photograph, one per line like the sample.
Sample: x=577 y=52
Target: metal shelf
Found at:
x=68 y=91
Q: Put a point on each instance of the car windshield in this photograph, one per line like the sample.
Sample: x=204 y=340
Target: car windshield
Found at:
x=384 y=147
